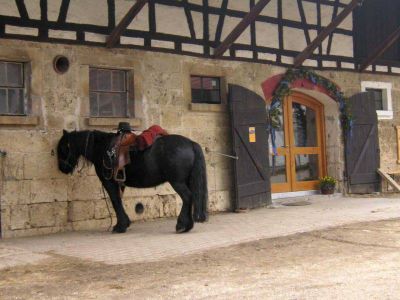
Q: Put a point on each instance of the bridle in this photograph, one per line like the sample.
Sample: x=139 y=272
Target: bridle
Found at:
x=66 y=161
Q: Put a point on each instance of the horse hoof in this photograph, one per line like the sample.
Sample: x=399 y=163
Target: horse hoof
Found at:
x=201 y=218
x=118 y=229
x=180 y=230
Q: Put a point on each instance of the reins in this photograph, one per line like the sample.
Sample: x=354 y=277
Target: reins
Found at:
x=86 y=147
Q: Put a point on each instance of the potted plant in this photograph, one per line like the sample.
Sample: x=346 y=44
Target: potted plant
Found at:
x=327 y=185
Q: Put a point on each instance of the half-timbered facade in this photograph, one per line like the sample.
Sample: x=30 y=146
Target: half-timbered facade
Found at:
x=194 y=67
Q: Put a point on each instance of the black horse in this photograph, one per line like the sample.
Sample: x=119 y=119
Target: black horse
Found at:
x=172 y=158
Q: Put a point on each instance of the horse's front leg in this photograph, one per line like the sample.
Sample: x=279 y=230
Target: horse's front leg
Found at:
x=123 y=221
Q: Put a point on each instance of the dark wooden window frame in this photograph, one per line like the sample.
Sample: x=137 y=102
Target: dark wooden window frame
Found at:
x=382 y=104
x=204 y=100
x=129 y=90
x=25 y=87
x=387 y=97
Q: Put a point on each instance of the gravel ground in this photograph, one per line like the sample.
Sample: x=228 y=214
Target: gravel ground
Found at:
x=354 y=261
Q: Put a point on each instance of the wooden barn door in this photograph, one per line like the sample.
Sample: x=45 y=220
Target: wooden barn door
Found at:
x=250 y=142
x=362 y=147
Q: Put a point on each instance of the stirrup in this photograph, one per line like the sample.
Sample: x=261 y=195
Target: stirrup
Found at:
x=120 y=175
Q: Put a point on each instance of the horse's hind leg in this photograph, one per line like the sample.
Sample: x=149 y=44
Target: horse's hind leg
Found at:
x=123 y=221
x=185 y=219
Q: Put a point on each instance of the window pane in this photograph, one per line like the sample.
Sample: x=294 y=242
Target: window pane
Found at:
x=3 y=101
x=195 y=82
x=277 y=169
x=306 y=167
x=16 y=101
x=210 y=83
x=211 y=96
x=103 y=80
x=118 y=81
x=378 y=97
x=196 y=96
x=277 y=123
x=119 y=104
x=105 y=105
x=3 y=77
x=304 y=126
x=112 y=104
x=94 y=106
x=14 y=75
x=378 y=104
x=93 y=79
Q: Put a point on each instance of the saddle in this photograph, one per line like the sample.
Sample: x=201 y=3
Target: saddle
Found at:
x=124 y=142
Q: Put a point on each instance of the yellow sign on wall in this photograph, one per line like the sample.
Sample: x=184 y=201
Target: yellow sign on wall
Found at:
x=252 y=134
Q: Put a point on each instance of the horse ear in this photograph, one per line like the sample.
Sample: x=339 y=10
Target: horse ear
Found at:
x=65 y=132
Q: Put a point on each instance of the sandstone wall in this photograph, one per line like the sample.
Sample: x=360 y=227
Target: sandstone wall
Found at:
x=36 y=198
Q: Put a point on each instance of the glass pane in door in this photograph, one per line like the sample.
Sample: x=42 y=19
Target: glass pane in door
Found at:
x=277 y=123
x=277 y=167
x=304 y=126
x=306 y=167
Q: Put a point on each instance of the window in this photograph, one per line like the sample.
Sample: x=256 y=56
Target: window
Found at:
x=382 y=93
x=378 y=97
x=109 y=93
x=12 y=88
x=206 y=89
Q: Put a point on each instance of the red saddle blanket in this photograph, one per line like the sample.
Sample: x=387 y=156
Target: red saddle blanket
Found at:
x=147 y=137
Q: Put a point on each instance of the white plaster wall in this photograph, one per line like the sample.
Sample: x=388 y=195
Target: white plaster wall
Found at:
x=140 y=22
x=267 y=35
x=290 y=10
x=271 y=10
x=171 y=20
x=8 y=8
x=88 y=12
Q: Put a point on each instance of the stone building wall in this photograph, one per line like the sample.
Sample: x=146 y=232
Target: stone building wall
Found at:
x=36 y=198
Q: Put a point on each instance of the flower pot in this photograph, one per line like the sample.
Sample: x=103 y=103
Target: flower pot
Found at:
x=327 y=190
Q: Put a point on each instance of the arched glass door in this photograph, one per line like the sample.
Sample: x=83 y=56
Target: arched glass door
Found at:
x=300 y=145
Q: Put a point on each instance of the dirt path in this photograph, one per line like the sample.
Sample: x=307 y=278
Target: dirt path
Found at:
x=355 y=261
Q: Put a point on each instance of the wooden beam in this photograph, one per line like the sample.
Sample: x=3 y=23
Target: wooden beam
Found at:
x=389 y=179
x=298 y=61
x=130 y=15
x=398 y=143
x=378 y=51
x=238 y=30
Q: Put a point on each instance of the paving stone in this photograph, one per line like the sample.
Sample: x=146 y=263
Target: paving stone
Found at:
x=157 y=240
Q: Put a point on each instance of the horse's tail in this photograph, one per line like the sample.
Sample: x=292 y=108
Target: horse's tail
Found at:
x=198 y=185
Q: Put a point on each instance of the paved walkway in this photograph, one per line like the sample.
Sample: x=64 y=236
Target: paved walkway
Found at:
x=157 y=240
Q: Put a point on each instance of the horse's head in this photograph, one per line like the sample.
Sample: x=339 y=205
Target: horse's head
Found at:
x=67 y=153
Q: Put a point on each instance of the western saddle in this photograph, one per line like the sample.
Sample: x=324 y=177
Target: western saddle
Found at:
x=123 y=142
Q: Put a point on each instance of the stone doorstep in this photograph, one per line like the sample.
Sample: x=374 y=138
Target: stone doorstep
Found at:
x=317 y=197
